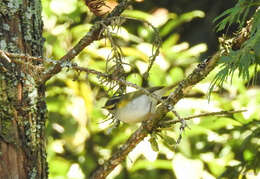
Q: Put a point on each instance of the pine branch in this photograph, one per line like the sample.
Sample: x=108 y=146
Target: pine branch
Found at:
x=239 y=52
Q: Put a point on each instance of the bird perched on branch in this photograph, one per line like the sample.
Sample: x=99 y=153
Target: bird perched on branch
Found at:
x=135 y=106
x=101 y=7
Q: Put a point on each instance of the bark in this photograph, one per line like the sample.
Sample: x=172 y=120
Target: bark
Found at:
x=22 y=105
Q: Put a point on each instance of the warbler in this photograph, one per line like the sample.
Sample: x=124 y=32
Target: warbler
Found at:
x=135 y=106
x=101 y=7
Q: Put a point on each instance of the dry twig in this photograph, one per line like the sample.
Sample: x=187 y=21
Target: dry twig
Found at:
x=148 y=126
x=164 y=124
x=94 y=34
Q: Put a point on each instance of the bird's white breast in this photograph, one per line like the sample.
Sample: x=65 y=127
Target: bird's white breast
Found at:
x=136 y=110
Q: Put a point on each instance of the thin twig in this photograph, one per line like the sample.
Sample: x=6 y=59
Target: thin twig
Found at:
x=148 y=126
x=89 y=70
x=199 y=73
x=94 y=34
x=121 y=81
x=20 y=56
x=13 y=57
x=219 y=113
x=3 y=54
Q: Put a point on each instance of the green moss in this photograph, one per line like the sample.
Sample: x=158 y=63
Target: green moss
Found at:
x=7 y=131
x=3 y=9
x=33 y=173
x=3 y=44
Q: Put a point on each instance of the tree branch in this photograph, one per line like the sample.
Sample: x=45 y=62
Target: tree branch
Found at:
x=94 y=34
x=198 y=74
x=148 y=126
x=164 y=124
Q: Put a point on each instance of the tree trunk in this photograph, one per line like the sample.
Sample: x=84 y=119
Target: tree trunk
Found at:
x=22 y=106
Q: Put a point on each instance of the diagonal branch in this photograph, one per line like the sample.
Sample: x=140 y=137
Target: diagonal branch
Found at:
x=199 y=73
x=94 y=34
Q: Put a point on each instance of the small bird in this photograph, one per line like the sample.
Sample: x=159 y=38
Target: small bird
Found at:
x=101 y=7
x=135 y=106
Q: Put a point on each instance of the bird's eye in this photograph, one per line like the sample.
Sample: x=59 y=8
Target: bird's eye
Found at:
x=111 y=107
x=113 y=101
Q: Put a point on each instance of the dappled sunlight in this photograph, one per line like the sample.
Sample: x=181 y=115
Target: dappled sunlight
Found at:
x=81 y=133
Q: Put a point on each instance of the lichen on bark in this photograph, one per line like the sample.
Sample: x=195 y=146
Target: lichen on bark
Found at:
x=22 y=105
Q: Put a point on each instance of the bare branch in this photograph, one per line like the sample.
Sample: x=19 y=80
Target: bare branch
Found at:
x=21 y=56
x=220 y=113
x=23 y=60
x=3 y=54
x=88 y=70
x=148 y=126
x=198 y=74
x=126 y=83
x=94 y=34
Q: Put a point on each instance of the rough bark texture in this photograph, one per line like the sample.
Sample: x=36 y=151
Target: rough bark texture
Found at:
x=22 y=105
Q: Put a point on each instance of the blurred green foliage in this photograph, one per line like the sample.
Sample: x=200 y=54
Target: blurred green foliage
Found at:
x=79 y=138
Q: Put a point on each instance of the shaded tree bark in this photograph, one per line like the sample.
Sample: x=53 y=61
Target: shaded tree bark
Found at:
x=22 y=105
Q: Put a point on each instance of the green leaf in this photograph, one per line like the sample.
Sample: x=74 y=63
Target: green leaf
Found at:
x=135 y=78
x=169 y=140
x=153 y=78
x=256 y=23
x=154 y=144
x=215 y=123
x=58 y=166
x=225 y=13
x=257 y=48
x=170 y=41
x=147 y=165
x=237 y=14
x=137 y=14
x=176 y=74
x=133 y=52
x=186 y=17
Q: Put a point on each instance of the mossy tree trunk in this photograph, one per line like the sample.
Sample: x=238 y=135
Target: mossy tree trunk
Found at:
x=22 y=105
